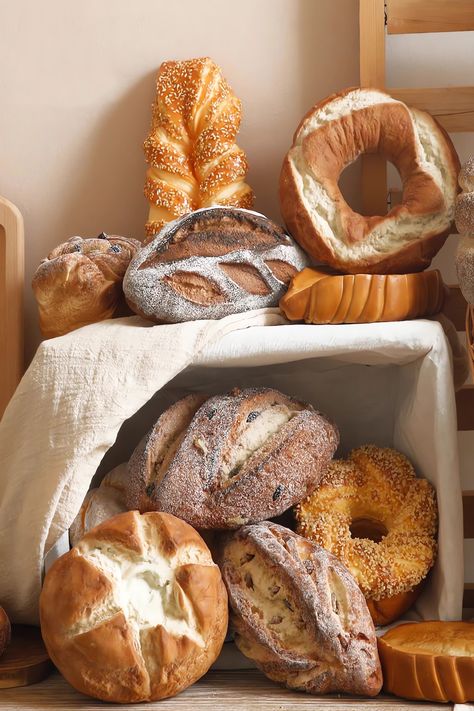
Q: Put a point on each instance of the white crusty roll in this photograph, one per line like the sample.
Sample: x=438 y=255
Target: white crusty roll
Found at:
x=330 y=137
x=191 y=150
x=137 y=611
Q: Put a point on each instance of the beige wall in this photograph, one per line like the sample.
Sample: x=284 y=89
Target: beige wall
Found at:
x=77 y=81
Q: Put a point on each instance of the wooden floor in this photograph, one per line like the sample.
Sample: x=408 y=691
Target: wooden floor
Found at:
x=240 y=690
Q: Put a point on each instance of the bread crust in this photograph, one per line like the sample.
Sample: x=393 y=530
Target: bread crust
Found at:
x=227 y=469
x=388 y=128
x=298 y=613
x=210 y=264
x=137 y=611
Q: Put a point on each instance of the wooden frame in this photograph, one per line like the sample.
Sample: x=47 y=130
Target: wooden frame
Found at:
x=454 y=109
x=11 y=300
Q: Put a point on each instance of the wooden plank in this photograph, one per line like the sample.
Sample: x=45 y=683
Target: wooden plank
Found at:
x=465 y=408
x=372 y=74
x=453 y=106
x=468 y=512
x=11 y=300
x=246 y=690
x=455 y=307
x=407 y=16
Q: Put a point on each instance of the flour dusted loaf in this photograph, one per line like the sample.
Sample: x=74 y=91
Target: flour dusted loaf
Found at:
x=210 y=264
x=331 y=136
x=80 y=282
x=193 y=159
x=101 y=503
x=298 y=613
x=137 y=611
x=236 y=458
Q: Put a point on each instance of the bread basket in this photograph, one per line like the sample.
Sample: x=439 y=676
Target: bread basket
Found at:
x=470 y=335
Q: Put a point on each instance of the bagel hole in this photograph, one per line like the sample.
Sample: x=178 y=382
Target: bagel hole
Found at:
x=369 y=528
x=350 y=182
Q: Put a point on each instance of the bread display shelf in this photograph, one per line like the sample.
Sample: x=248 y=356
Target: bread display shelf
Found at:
x=218 y=690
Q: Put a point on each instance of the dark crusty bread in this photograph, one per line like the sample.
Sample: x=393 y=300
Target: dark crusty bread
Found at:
x=241 y=457
x=298 y=613
x=211 y=263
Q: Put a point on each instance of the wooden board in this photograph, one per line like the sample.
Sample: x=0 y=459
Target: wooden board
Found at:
x=407 y=16
x=11 y=300
x=217 y=691
x=453 y=106
x=25 y=660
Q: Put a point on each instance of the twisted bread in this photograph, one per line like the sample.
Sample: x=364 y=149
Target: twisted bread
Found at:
x=194 y=161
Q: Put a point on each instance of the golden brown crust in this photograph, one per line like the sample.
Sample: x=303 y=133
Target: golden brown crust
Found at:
x=385 y=127
x=387 y=541
x=429 y=661
x=298 y=613
x=80 y=282
x=194 y=161
x=245 y=456
x=137 y=611
x=318 y=296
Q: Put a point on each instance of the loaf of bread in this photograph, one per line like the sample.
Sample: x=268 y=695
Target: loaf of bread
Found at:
x=101 y=503
x=194 y=161
x=429 y=661
x=236 y=458
x=298 y=613
x=317 y=296
x=210 y=264
x=137 y=611
x=330 y=137
x=80 y=282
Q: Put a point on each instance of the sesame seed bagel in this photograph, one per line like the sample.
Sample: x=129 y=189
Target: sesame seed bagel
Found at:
x=380 y=520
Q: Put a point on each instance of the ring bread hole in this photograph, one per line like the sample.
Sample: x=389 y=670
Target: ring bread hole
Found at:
x=370 y=528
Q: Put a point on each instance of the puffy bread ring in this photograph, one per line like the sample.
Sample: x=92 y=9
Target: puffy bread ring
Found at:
x=333 y=135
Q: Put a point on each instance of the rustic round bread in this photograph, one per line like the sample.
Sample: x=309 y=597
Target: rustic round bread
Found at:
x=80 y=282
x=318 y=296
x=330 y=137
x=298 y=613
x=232 y=459
x=429 y=661
x=137 y=611
x=212 y=263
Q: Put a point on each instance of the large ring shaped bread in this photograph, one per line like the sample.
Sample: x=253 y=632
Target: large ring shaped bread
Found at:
x=333 y=135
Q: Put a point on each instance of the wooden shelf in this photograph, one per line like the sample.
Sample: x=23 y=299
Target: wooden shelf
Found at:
x=218 y=690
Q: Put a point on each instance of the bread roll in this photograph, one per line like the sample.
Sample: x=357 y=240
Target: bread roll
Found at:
x=210 y=264
x=317 y=296
x=80 y=282
x=137 y=611
x=330 y=137
x=298 y=613
x=429 y=661
x=194 y=161
x=237 y=458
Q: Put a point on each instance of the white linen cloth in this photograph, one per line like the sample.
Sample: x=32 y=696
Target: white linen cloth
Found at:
x=81 y=388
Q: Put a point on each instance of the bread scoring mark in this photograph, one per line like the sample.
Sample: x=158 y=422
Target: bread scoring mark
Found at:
x=195 y=287
x=247 y=277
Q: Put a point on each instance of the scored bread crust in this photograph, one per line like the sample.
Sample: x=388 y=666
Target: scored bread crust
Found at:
x=317 y=296
x=298 y=613
x=244 y=456
x=137 y=611
x=210 y=264
x=332 y=135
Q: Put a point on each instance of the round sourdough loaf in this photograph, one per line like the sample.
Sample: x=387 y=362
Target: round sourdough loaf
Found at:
x=232 y=459
x=212 y=263
x=330 y=137
x=137 y=611
x=298 y=613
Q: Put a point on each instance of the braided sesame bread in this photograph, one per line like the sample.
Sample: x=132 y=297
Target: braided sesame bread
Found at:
x=380 y=520
x=298 y=612
x=80 y=282
x=330 y=137
x=210 y=264
x=237 y=458
x=194 y=161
